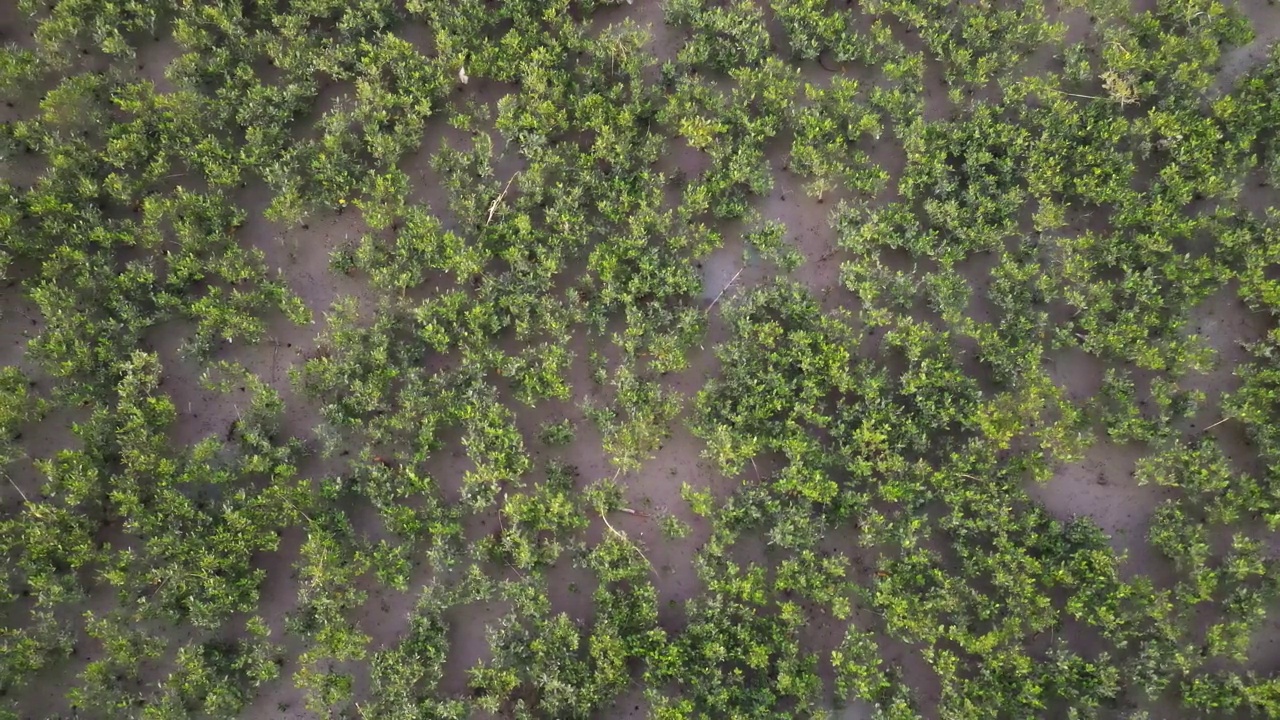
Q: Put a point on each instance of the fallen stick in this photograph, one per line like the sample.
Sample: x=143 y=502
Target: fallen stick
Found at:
x=628 y=541
x=726 y=288
x=1217 y=424
x=494 y=207
x=15 y=487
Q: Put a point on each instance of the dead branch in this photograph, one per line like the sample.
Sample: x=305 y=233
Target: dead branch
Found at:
x=494 y=207
x=726 y=287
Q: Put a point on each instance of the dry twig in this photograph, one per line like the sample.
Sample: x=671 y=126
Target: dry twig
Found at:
x=726 y=287
x=494 y=207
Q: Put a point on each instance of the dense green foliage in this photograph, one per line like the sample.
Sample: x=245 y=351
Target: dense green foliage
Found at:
x=374 y=359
